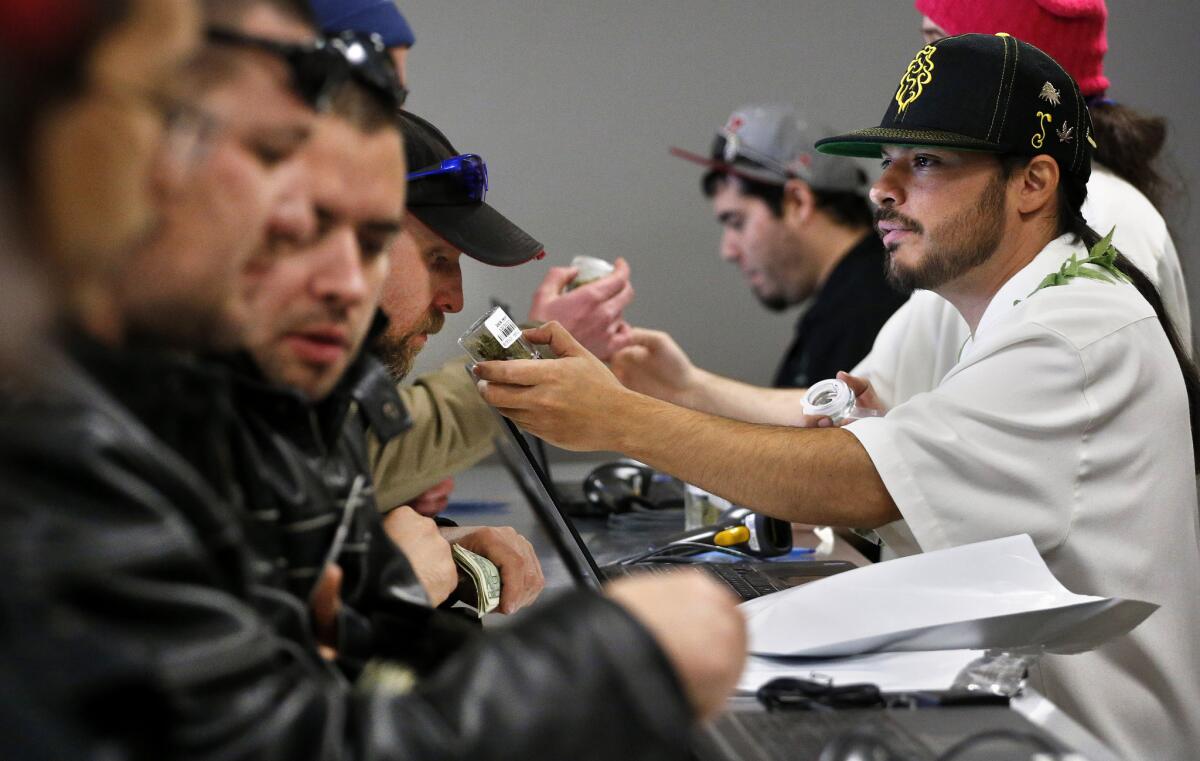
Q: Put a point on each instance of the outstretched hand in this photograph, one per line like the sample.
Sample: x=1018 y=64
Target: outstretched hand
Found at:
x=592 y=313
x=653 y=364
x=698 y=626
x=574 y=401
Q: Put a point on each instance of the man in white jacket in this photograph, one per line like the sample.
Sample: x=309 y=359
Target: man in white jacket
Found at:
x=1066 y=415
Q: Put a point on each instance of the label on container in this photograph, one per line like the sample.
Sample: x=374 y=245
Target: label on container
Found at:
x=502 y=328
x=754 y=543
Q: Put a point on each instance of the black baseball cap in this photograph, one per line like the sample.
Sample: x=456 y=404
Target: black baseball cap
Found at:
x=473 y=227
x=981 y=92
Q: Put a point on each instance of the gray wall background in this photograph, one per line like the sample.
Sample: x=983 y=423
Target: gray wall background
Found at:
x=575 y=102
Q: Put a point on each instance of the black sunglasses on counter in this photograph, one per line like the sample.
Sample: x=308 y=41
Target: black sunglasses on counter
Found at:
x=320 y=68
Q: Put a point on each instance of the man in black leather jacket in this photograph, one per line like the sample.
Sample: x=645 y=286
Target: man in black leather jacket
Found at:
x=304 y=318
x=139 y=557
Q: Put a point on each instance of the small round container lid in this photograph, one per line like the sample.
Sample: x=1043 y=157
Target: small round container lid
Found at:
x=827 y=397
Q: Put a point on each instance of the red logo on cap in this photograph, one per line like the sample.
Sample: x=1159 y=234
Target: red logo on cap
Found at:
x=735 y=123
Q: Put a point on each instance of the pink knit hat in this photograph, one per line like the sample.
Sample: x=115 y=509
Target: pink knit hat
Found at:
x=1072 y=32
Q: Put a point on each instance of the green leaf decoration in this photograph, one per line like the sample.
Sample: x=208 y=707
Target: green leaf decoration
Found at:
x=1100 y=275
x=1103 y=255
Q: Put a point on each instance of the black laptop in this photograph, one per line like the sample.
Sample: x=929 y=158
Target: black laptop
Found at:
x=746 y=732
x=989 y=733
x=747 y=580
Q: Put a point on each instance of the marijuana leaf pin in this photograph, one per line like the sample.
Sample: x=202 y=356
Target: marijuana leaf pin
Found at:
x=1064 y=133
x=1050 y=94
x=1102 y=257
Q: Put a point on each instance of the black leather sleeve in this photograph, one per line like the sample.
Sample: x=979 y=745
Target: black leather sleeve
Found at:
x=110 y=535
x=576 y=679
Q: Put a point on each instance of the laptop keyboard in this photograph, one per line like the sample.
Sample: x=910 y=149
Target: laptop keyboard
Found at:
x=746 y=582
x=796 y=735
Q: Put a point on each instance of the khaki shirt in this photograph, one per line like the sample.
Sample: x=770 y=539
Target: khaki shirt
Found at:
x=453 y=428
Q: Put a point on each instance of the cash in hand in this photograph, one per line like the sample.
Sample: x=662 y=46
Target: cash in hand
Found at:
x=484 y=575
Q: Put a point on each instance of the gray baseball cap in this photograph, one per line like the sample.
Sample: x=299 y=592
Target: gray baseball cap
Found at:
x=772 y=143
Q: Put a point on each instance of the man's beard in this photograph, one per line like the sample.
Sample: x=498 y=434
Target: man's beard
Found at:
x=954 y=248
x=774 y=303
x=398 y=350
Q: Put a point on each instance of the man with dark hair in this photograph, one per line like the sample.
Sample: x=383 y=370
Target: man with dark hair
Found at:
x=1070 y=415
x=1123 y=168
x=176 y=289
x=78 y=131
x=308 y=322
x=798 y=226
x=206 y=654
x=447 y=216
x=451 y=429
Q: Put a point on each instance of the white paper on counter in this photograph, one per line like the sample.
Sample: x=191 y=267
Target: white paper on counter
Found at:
x=891 y=672
x=993 y=594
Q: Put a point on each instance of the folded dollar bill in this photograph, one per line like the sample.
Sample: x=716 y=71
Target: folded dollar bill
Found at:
x=484 y=577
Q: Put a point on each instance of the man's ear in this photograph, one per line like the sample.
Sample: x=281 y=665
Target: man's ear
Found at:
x=798 y=201
x=1038 y=187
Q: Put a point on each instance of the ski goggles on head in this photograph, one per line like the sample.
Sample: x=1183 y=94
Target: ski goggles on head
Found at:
x=319 y=69
x=457 y=180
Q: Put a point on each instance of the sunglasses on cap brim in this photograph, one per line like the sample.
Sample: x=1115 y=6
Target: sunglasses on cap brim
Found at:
x=319 y=69
x=457 y=180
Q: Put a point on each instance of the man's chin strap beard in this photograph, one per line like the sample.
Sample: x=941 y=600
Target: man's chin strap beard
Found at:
x=774 y=303
x=396 y=355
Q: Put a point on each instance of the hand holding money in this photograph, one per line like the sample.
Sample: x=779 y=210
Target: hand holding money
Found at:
x=520 y=571
x=479 y=584
x=428 y=553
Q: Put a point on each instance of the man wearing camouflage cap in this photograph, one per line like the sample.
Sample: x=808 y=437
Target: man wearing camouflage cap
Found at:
x=1069 y=416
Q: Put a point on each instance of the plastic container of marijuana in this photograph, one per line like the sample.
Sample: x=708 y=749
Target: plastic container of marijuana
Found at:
x=701 y=508
x=496 y=336
x=590 y=269
x=835 y=400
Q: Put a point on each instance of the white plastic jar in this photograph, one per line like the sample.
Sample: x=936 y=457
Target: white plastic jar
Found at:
x=590 y=269
x=835 y=400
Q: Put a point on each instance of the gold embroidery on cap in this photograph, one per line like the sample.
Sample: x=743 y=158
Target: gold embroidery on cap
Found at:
x=1050 y=95
x=918 y=74
x=1064 y=133
x=1040 y=138
x=1091 y=142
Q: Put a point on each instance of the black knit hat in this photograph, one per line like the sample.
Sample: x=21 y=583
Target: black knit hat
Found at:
x=979 y=92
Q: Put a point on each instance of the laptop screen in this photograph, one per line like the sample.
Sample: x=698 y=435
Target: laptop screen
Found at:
x=518 y=458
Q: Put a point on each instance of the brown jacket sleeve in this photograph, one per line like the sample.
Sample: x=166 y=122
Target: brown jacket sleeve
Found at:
x=453 y=428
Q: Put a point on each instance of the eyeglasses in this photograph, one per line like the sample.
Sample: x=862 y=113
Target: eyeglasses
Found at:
x=456 y=180
x=188 y=130
x=320 y=68
x=189 y=135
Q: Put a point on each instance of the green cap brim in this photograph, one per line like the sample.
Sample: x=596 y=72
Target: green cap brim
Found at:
x=866 y=143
